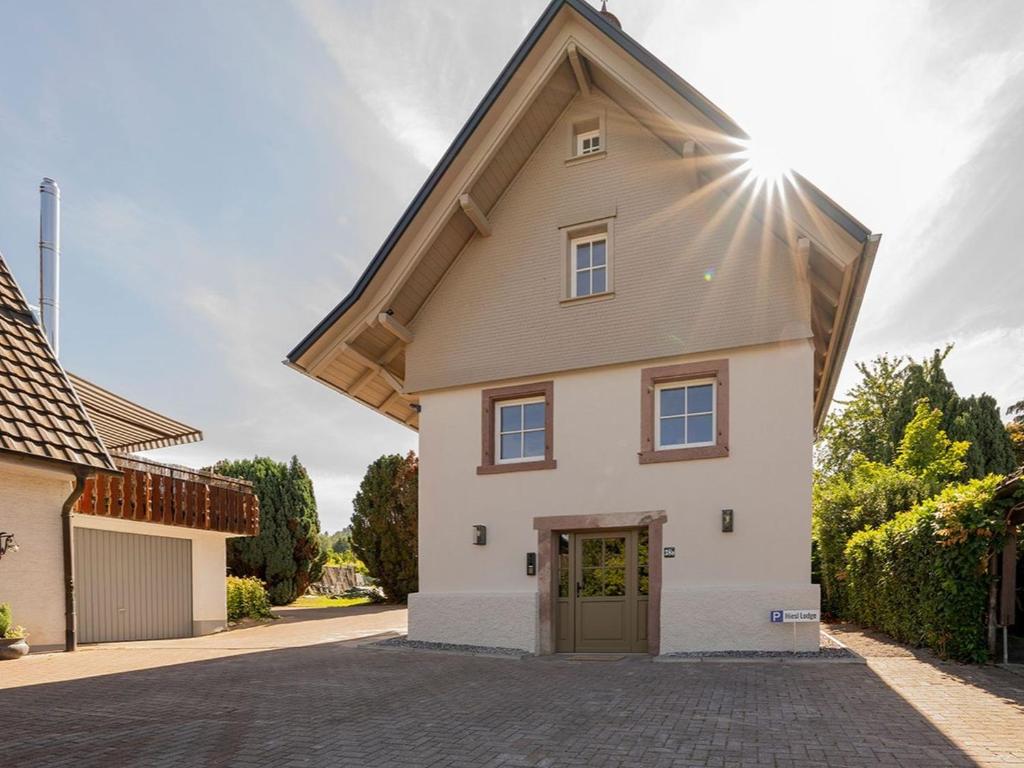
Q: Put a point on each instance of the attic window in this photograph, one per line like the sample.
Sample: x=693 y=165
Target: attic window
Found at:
x=588 y=143
x=588 y=138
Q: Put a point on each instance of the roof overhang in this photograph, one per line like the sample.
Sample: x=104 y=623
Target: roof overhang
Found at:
x=359 y=347
x=126 y=426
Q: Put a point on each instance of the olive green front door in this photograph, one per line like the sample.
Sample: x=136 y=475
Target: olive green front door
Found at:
x=603 y=587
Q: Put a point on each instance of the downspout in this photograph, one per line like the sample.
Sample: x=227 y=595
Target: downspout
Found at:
x=70 y=641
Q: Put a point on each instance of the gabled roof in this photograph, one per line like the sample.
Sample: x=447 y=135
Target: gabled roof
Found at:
x=126 y=426
x=41 y=417
x=355 y=356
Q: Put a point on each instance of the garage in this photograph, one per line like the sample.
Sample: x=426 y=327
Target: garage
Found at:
x=132 y=586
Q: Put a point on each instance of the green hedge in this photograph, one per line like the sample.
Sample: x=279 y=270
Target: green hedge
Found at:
x=247 y=599
x=923 y=576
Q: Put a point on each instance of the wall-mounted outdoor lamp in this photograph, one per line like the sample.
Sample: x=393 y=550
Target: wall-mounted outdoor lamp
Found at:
x=480 y=534
x=531 y=563
x=7 y=542
x=727 y=520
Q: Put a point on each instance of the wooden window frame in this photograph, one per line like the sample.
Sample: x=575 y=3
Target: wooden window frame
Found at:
x=650 y=380
x=596 y=229
x=660 y=387
x=490 y=400
x=584 y=136
x=600 y=236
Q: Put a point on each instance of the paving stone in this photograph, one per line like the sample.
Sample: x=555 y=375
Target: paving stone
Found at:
x=301 y=692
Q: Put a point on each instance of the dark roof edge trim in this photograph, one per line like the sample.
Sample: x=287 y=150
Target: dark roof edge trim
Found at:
x=631 y=46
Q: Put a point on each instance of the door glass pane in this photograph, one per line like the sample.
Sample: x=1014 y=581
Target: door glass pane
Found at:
x=511 y=447
x=698 y=399
x=698 y=429
x=600 y=281
x=592 y=586
x=644 y=581
x=563 y=565
x=511 y=418
x=614 y=582
x=615 y=553
x=591 y=553
x=641 y=546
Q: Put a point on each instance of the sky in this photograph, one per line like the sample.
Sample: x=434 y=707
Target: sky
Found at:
x=228 y=169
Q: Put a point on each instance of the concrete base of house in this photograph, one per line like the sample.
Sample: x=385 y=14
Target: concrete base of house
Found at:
x=490 y=619
x=708 y=618
x=736 y=618
x=207 y=626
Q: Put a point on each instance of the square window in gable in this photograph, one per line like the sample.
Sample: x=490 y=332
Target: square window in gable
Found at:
x=587 y=139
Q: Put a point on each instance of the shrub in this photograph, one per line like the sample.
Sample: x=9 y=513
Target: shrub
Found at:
x=8 y=630
x=871 y=495
x=247 y=599
x=923 y=576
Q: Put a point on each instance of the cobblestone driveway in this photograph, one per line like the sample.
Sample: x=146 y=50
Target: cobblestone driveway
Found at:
x=224 y=702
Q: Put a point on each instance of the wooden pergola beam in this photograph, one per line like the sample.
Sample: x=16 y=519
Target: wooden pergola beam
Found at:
x=582 y=79
x=395 y=328
x=475 y=214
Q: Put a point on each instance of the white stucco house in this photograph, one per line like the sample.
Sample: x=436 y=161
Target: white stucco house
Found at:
x=101 y=544
x=616 y=343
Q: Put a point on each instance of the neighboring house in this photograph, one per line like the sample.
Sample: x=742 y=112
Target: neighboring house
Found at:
x=616 y=350
x=147 y=540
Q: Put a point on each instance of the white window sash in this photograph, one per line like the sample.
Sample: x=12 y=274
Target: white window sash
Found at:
x=522 y=431
x=581 y=139
x=659 y=388
x=575 y=270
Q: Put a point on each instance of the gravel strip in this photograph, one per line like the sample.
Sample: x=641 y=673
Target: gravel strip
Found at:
x=472 y=650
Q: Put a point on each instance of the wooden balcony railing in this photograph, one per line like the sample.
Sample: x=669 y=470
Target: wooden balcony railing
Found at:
x=159 y=493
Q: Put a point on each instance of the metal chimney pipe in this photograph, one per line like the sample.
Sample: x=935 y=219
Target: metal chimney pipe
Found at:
x=49 y=261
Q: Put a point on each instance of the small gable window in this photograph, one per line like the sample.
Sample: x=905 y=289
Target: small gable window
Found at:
x=587 y=139
x=588 y=143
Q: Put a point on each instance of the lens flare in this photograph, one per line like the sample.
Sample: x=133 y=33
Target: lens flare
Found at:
x=763 y=162
x=709 y=275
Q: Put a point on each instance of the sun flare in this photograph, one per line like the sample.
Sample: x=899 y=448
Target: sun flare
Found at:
x=764 y=162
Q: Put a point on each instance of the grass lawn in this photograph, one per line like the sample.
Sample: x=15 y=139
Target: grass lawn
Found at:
x=323 y=601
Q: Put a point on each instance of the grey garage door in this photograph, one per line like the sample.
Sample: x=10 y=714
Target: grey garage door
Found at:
x=132 y=587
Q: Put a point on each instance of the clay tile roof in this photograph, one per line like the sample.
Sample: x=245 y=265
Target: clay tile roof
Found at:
x=41 y=417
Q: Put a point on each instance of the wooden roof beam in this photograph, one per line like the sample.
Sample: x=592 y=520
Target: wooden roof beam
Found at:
x=362 y=382
x=823 y=287
x=396 y=383
x=395 y=328
x=475 y=215
x=690 y=163
x=582 y=78
x=392 y=352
